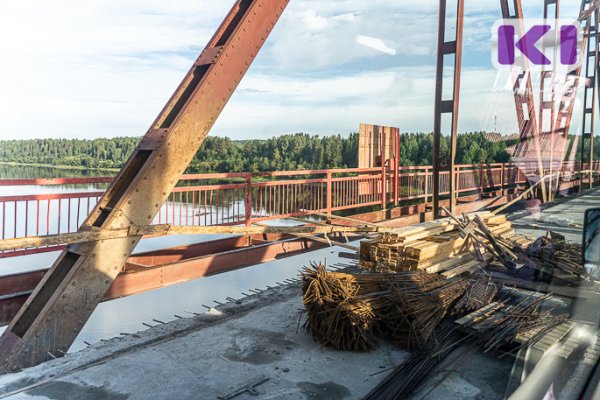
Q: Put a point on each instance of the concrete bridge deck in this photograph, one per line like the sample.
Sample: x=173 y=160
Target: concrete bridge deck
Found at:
x=259 y=337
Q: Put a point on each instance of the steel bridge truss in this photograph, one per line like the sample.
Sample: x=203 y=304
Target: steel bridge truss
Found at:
x=55 y=313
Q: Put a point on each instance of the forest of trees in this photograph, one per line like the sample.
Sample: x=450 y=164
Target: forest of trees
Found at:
x=221 y=154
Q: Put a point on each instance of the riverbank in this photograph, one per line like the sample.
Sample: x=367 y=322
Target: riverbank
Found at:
x=61 y=167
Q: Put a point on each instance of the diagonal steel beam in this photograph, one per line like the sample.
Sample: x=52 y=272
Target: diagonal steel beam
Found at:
x=57 y=310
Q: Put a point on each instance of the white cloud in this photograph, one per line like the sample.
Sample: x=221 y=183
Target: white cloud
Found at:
x=375 y=44
x=106 y=68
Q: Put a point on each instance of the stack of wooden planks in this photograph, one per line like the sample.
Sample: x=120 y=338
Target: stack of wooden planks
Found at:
x=503 y=229
x=435 y=247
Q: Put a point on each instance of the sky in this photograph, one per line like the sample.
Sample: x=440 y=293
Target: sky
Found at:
x=105 y=68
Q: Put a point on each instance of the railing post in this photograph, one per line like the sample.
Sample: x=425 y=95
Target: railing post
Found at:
x=426 y=185
x=383 y=186
x=455 y=185
x=502 y=179
x=481 y=179
x=396 y=142
x=248 y=200
x=329 y=192
x=396 y=181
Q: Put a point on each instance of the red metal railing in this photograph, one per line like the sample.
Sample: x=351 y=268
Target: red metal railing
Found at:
x=244 y=198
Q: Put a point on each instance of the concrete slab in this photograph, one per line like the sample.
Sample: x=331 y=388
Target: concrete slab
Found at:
x=211 y=356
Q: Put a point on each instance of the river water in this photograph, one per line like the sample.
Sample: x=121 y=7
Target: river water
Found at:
x=128 y=314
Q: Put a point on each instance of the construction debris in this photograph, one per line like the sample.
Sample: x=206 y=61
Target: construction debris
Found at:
x=346 y=311
x=418 y=308
x=437 y=289
x=404 y=379
x=480 y=293
x=491 y=327
x=552 y=253
x=340 y=308
x=413 y=280
x=453 y=247
x=500 y=323
x=415 y=288
x=450 y=247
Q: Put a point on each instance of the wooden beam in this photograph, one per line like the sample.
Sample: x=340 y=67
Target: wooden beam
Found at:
x=355 y=221
x=319 y=239
x=165 y=229
x=307 y=221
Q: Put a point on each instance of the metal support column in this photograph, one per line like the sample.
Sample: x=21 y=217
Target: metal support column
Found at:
x=50 y=320
x=589 y=100
x=548 y=93
x=443 y=106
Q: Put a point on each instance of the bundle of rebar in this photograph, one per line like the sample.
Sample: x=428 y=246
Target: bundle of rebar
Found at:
x=414 y=371
x=552 y=252
x=341 y=307
x=346 y=311
x=479 y=293
x=503 y=323
x=417 y=309
x=499 y=325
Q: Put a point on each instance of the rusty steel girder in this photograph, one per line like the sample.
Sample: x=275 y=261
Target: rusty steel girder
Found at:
x=57 y=310
x=161 y=268
x=446 y=106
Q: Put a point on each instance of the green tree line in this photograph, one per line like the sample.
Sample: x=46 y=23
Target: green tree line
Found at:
x=222 y=154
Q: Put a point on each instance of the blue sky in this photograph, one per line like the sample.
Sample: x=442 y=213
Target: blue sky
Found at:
x=106 y=68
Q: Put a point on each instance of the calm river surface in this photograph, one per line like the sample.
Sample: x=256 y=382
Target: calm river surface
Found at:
x=128 y=314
